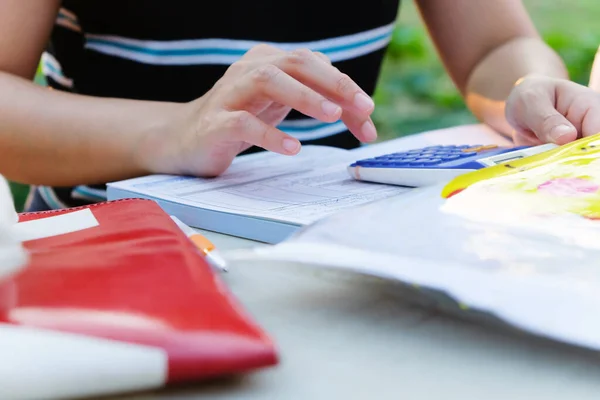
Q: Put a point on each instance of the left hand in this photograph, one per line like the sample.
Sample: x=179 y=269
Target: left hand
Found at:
x=244 y=107
x=550 y=110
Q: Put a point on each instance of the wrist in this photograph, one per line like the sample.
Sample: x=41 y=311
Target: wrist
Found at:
x=525 y=77
x=153 y=149
x=533 y=76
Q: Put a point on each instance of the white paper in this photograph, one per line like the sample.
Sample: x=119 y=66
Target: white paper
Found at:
x=300 y=189
x=560 y=308
x=54 y=225
x=541 y=274
x=12 y=254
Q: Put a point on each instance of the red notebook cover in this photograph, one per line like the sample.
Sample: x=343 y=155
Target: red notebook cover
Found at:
x=136 y=280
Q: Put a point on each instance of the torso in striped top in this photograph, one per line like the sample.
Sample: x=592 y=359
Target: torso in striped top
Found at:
x=176 y=50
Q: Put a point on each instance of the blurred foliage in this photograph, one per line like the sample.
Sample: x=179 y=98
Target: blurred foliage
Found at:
x=19 y=192
x=578 y=54
x=414 y=92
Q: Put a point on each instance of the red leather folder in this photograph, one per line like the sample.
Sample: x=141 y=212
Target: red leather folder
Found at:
x=135 y=282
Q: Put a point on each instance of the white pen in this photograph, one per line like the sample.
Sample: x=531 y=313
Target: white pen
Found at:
x=203 y=244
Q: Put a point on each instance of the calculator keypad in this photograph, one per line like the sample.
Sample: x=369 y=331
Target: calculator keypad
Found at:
x=425 y=157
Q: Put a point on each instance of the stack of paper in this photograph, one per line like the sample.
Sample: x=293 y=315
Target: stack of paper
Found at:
x=267 y=197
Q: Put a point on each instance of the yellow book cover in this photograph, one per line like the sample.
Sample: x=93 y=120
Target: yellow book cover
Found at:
x=564 y=180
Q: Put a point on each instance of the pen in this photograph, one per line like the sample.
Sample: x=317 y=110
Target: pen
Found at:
x=203 y=244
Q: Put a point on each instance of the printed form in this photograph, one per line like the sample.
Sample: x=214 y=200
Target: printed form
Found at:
x=299 y=189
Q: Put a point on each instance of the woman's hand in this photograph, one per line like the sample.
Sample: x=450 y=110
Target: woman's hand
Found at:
x=244 y=107
x=548 y=110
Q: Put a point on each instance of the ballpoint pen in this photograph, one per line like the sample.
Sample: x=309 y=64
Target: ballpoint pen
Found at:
x=203 y=244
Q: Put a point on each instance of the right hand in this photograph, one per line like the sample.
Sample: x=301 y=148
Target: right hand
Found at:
x=542 y=109
x=244 y=107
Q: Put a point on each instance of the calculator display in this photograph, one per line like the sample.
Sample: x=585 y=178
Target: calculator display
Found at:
x=500 y=160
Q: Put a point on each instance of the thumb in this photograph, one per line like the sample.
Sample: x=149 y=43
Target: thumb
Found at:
x=549 y=125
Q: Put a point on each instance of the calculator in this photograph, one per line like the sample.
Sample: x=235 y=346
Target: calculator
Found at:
x=435 y=164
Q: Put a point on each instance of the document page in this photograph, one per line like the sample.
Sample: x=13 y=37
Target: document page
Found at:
x=299 y=190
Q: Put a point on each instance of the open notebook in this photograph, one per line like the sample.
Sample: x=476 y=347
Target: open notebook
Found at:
x=267 y=197
x=519 y=241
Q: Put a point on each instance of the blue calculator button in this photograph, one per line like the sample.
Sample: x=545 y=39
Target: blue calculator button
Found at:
x=432 y=161
x=365 y=163
x=451 y=157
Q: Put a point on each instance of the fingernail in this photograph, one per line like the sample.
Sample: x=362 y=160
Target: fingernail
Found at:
x=363 y=102
x=368 y=131
x=559 y=131
x=291 y=145
x=330 y=108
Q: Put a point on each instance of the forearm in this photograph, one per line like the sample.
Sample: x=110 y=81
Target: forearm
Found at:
x=493 y=78
x=54 y=138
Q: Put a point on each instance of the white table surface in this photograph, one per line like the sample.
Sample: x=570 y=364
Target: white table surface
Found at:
x=343 y=336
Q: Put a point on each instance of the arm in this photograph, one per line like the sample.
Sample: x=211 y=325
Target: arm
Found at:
x=48 y=137
x=53 y=138
x=487 y=46
x=62 y=139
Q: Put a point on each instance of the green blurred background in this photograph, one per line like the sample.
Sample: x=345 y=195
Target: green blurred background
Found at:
x=414 y=94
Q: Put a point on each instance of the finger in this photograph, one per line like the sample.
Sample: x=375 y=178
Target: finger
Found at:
x=262 y=50
x=323 y=57
x=244 y=127
x=271 y=83
x=363 y=129
x=591 y=122
x=582 y=108
x=526 y=138
x=556 y=129
x=274 y=114
x=540 y=116
x=324 y=78
x=253 y=58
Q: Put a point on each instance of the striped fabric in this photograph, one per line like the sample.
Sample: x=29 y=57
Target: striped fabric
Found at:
x=175 y=51
x=228 y=51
